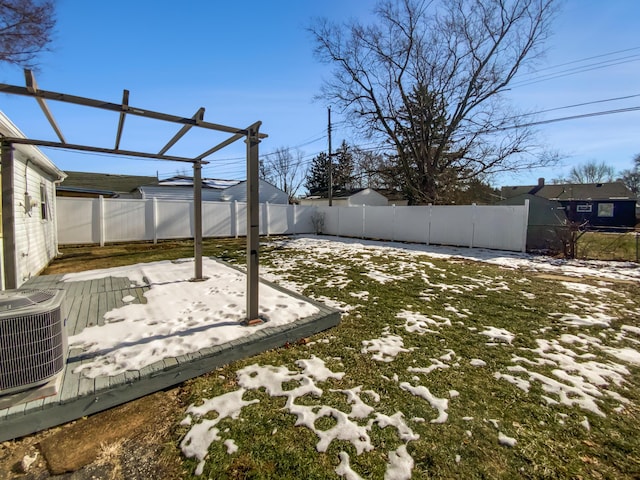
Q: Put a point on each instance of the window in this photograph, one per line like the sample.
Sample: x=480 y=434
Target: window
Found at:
x=43 y=202
x=583 y=208
x=605 y=209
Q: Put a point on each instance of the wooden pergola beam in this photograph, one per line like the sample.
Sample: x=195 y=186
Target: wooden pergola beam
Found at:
x=198 y=117
x=32 y=88
x=88 y=148
x=125 y=106
x=221 y=145
x=115 y=107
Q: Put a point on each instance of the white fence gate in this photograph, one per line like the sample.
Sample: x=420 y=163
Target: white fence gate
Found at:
x=100 y=221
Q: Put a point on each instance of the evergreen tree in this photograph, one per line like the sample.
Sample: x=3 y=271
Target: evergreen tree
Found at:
x=317 y=179
x=343 y=168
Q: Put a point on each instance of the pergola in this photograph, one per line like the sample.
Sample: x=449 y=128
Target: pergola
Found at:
x=250 y=134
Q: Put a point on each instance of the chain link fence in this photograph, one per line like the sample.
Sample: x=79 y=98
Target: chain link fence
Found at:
x=620 y=244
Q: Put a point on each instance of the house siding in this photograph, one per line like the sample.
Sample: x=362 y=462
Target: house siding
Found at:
x=35 y=237
x=267 y=192
x=368 y=197
x=622 y=213
x=173 y=192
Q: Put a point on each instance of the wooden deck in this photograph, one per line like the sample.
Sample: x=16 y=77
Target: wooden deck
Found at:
x=86 y=303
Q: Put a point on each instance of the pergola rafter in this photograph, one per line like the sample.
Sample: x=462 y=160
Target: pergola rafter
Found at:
x=251 y=135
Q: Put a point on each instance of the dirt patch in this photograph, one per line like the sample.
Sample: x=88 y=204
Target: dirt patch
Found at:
x=132 y=442
x=567 y=278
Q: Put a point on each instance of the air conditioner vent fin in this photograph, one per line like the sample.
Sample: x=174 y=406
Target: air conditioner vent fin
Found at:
x=33 y=338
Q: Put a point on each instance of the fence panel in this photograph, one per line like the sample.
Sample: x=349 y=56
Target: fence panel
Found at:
x=217 y=219
x=77 y=220
x=499 y=227
x=241 y=219
x=350 y=221
x=86 y=220
x=281 y=219
x=303 y=218
x=451 y=225
x=125 y=220
x=379 y=222
x=412 y=224
x=174 y=219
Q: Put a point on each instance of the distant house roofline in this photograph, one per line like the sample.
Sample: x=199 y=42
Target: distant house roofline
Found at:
x=105 y=182
x=572 y=191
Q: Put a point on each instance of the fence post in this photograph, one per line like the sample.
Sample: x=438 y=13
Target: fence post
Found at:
x=393 y=223
x=154 y=218
x=473 y=224
x=429 y=207
x=266 y=217
x=234 y=221
x=101 y=228
x=295 y=218
x=364 y=222
x=525 y=225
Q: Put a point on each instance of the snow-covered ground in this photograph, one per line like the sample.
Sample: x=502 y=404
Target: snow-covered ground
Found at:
x=577 y=380
x=181 y=316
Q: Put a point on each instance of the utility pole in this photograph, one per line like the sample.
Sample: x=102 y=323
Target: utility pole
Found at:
x=330 y=159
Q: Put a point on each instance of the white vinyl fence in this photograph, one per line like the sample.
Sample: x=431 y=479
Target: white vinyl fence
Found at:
x=100 y=221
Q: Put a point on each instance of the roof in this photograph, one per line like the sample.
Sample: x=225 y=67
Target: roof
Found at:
x=573 y=191
x=184 y=181
x=339 y=193
x=104 y=182
x=9 y=129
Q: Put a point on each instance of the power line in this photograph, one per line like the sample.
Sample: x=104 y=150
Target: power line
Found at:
x=535 y=72
x=561 y=119
x=573 y=106
x=586 y=68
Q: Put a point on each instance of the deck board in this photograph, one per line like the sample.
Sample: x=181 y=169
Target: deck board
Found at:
x=86 y=303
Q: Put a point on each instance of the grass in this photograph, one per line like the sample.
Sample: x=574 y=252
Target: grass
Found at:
x=552 y=441
x=609 y=246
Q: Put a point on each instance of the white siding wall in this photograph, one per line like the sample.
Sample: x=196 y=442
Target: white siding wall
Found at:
x=368 y=197
x=267 y=193
x=175 y=192
x=36 y=238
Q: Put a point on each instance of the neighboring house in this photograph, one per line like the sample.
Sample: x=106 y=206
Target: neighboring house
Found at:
x=349 y=198
x=601 y=205
x=546 y=223
x=394 y=197
x=213 y=190
x=29 y=230
x=108 y=185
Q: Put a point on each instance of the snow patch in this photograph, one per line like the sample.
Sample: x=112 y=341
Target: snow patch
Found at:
x=386 y=348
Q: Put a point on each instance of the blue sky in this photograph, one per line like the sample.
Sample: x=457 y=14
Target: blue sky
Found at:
x=249 y=61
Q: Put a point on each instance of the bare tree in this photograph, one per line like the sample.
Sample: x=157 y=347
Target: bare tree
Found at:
x=283 y=169
x=427 y=80
x=591 y=172
x=26 y=27
x=631 y=177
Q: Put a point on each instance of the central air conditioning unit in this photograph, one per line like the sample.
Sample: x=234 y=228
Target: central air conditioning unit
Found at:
x=33 y=338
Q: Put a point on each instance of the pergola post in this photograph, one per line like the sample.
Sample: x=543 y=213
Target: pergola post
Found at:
x=253 y=223
x=197 y=214
x=252 y=139
x=10 y=266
